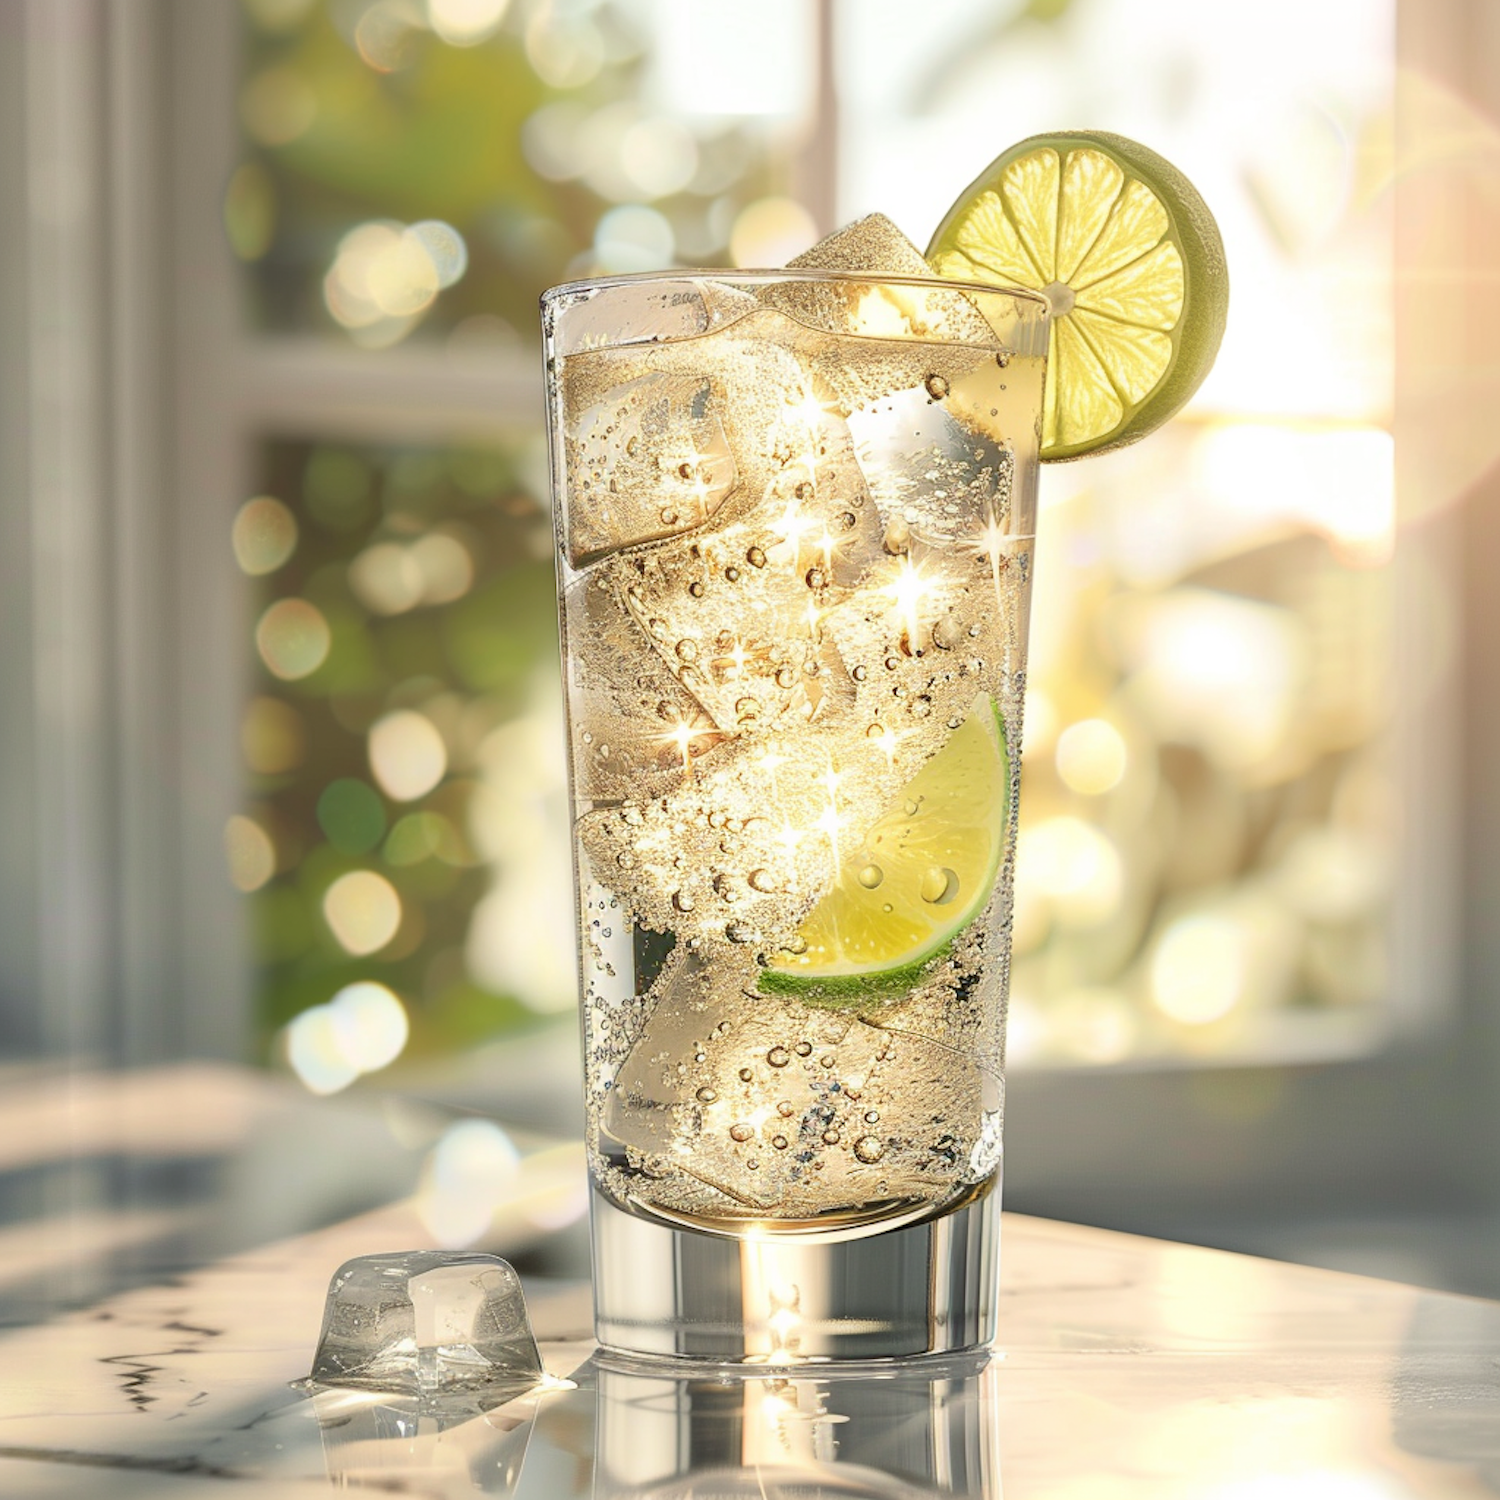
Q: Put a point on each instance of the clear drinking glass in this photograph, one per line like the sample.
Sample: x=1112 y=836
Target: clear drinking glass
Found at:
x=794 y=525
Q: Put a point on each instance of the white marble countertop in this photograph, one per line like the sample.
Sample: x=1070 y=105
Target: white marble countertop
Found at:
x=1126 y=1367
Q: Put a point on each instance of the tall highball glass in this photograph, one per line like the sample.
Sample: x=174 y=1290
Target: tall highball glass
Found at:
x=794 y=528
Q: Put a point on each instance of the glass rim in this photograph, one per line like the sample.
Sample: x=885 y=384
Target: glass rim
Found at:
x=771 y=274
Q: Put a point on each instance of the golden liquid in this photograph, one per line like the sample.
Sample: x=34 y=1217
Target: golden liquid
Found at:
x=752 y=677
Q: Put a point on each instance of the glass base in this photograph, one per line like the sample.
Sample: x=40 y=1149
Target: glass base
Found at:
x=926 y=1288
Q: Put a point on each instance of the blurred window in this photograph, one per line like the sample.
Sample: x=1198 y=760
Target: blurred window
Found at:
x=1208 y=840
x=403 y=750
x=411 y=175
x=1208 y=837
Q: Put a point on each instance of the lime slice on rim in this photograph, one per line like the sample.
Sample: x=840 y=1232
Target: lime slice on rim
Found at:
x=1131 y=260
x=924 y=870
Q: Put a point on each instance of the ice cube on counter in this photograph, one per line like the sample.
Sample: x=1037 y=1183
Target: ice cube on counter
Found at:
x=427 y=1323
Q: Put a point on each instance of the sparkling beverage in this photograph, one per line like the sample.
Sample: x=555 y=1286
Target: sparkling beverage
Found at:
x=795 y=516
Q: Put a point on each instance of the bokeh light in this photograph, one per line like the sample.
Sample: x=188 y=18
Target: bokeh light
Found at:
x=352 y=815
x=363 y=911
x=439 y=677
x=424 y=835
x=264 y=535
x=293 y=639
x=361 y=1030
x=407 y=755
x=393 y=577
x=1198 y=970
x=1091 y=756
x=273 y=737
x=633 y=238
x=469 y=1174
x=316 y=1053
x=1074 y=865
x=369 y=1022
x=520 y=937
x=250 y=853
x=1217 y=671
x=1334 y=875
x=565 y=50
x=444 y=247
x=444 y=566
x=770 y=231
x=386 y=34
x=387 y=578
x=550 y=140
x=385 y=275
x=383 y=271
x=388 y=108
x=464 y=23
x=277 y=106
x=660 y=155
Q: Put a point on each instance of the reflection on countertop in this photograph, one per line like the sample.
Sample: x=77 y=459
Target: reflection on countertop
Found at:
x=1127 y=1367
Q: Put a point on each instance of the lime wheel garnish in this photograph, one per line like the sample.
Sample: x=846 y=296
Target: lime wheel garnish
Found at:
x=1127 y=252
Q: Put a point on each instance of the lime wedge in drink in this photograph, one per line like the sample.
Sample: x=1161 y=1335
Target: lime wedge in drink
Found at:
x=1131 y=260
x=924 y=870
